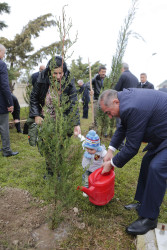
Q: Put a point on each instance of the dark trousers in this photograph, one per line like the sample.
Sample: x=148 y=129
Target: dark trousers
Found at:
x=85 y=178
x=4 y=131
x=152 y=183
x=85 y=109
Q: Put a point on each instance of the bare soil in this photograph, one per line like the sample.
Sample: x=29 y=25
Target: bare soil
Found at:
x=23 y=222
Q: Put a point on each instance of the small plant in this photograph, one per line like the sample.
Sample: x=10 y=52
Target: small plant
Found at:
x=55 y=142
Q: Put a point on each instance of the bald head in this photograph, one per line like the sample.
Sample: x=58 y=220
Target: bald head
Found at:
x=125 y=66
x=42 y=67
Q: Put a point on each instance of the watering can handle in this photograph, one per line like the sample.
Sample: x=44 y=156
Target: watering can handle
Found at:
x=107 y=173
x=100 y=173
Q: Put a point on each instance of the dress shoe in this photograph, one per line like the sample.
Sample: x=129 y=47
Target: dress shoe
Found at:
x=141 y=226
x=11 y=154
x=133 y=206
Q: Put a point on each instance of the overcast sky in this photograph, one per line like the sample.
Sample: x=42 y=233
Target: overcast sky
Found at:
x=98 y=23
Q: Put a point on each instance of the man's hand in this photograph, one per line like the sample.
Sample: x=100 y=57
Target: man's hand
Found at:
x=109 y=155
x=38 y=120
x=91 y=92
x=11 y=108
x=106 y=167
x=77 y=130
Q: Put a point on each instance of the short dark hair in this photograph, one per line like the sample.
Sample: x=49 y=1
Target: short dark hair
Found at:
x=102 y=67
x=143 y=74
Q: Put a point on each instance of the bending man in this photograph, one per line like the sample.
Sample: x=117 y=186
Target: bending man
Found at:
x=143 y=119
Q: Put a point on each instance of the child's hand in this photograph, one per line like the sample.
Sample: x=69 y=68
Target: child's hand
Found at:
x=91 y=92
x=81 y=137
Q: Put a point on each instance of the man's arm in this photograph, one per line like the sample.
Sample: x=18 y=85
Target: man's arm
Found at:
x=136 y=123
x=5 y=84
x=36 y=99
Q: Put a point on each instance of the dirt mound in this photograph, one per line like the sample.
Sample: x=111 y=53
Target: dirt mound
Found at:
x=23 y=222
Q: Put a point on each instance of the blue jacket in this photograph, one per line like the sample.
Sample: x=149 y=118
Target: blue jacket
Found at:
x=143 y=119
x=126 y=80
x=5 y=94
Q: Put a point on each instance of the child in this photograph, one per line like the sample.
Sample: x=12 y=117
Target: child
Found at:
x=93 y=156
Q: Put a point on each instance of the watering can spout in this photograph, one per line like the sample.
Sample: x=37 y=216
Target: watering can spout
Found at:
x=89 y=191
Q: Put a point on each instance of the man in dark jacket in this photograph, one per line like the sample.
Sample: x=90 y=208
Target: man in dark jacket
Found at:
x=6 y=106
x=126 y=80
x=34 y=76
x=16 y=113
x=97 y=82
x=40 y=89
x=143 y=119
x=144 y=83
x=84 y=90
x=98 y=85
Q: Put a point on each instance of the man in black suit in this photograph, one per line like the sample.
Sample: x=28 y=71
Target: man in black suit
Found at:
x=144 y=83
x=126 y=80
x=84 y=90
x=143 y=116
x=6 y=106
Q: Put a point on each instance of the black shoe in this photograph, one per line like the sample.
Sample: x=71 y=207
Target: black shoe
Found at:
x=141 y=226
x=133 y=206
x=11 y=154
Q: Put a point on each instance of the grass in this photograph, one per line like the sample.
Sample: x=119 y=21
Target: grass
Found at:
x=104 y=225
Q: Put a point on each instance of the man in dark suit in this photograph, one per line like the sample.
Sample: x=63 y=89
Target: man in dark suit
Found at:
x=143 y=119
x=16 y=113
x=98 y=85
x=144 y=83
x=36 y=74
x=126 y=80
x=6 y=106
x=84 y=90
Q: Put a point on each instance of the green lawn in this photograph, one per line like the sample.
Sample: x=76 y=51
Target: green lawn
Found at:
x=105 y=225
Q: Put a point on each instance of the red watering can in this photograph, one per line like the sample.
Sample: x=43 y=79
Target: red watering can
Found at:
x=101 y=187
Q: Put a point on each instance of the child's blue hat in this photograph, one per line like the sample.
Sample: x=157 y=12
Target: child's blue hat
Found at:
x=92 y=141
